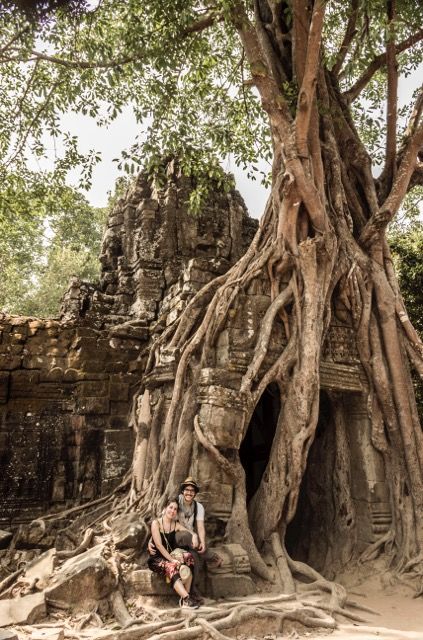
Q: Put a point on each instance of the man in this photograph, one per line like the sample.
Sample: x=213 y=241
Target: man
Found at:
x=191 y=516
x=191 y=513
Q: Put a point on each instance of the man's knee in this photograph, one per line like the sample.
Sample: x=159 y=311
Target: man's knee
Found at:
x=183 y=538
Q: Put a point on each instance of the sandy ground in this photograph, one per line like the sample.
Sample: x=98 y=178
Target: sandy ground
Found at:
x=400 y=615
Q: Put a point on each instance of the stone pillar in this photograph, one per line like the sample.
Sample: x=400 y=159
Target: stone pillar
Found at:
x=368 y=482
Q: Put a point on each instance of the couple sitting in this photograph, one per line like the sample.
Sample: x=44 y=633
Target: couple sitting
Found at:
x=181 y=525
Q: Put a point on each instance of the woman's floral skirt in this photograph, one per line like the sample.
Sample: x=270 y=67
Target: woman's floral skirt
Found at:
x=169 y=570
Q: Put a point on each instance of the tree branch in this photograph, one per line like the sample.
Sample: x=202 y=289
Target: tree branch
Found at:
x=409 y=160
x=300 y=34
x=348 y=38
x=378 y=62
x=20 y=145
x=196 y=27
x=392 y=98
x=272 y=60
x=13 y=39
x=308 y=86
x=272 y=99
x=416 y=179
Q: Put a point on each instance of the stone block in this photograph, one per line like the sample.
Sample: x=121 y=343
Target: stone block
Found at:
x=34 y=325
x=144 y=582
x=379 y=492
x=17 y=321
x=92 y=388
x=4 y=386
x=119 y=408
x=39 y=570
x=92 y=405
x=53 y=375
x=118 y=422
x=234 y=560
x=220 y=376
x=230 y=586
x=8 y=634
x=82 y=580
x=5 y=538
x=9 y=362
x=71 y=375
x=222 y=425
x=149 y=204
x=48 y=633
x=118 y=448
x=36 y=362
x=119 y=391
x=127 y=532
x=26 y=610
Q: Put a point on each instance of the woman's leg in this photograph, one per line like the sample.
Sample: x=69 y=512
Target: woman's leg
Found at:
x=180 y=589
x=188 y=584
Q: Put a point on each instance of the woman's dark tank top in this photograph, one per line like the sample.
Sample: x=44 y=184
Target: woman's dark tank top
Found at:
x=168 y=541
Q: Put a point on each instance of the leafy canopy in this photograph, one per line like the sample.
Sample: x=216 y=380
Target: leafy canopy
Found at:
x=181 y=66
x=48 y=233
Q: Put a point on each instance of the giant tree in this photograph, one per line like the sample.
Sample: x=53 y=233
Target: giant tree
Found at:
x=295 y=81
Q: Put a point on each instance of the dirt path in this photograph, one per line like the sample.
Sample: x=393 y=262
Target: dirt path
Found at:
x=400 y=615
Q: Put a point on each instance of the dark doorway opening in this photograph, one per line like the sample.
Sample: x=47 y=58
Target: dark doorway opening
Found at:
x=308 y=535
x=255 y=448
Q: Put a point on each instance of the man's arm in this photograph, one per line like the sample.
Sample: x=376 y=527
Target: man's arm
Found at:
x=202 y=536
x=194 y=536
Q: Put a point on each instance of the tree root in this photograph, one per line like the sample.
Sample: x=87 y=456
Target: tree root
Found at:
x=119 y=609
x=211 y=631
x=337 y=591
x=7 y=582
x=374 y=549
x=287 y=582
x=88 y=536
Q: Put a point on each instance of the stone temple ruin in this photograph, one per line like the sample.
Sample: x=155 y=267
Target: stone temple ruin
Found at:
x=66 y=384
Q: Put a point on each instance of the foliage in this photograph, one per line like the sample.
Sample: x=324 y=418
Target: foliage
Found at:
x=48 y=232
x=407 y=250
x=182 y=68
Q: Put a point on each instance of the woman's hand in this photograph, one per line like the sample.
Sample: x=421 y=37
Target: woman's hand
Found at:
x=151 y=548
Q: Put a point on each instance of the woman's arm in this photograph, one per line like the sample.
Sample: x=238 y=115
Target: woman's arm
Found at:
x=157 y=539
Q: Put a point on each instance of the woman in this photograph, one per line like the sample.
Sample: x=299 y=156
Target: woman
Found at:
x=163 y=532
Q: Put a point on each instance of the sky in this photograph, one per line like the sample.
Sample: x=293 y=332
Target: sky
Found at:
x=121 y=135
x=122 y=132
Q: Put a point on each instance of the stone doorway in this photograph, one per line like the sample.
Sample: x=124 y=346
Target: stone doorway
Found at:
x=255 y=448
x=343 y=505
x=307 y=537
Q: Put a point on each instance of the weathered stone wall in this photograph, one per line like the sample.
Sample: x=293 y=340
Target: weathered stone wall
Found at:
x=64 y=394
